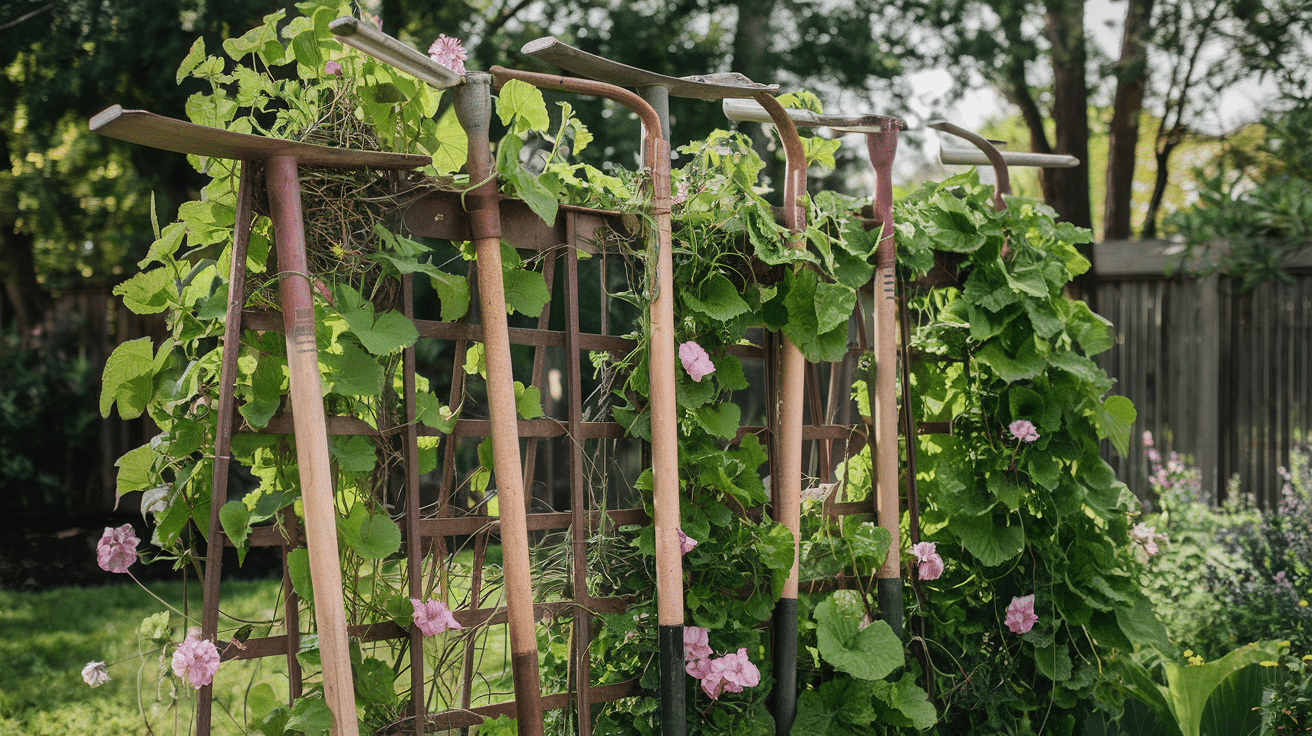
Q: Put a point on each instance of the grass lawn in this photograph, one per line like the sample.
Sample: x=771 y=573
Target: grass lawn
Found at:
x=47 y=637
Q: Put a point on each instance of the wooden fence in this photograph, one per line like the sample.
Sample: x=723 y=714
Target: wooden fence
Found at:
x=91 y=322
x=1217 y=375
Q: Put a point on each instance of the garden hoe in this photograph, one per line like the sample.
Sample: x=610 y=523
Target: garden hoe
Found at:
x=282 y=161
x=473 y=106
x=881 y=133
x=656 y=89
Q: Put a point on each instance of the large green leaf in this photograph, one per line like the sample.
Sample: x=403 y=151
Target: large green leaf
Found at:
x=373 y=536
x=990 y=542
x=871 y=652
x=128 y=378
x=236 y=521
x=719 y=299
x=1114 y=418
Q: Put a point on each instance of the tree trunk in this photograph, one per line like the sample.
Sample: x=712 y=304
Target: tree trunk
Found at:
x=27 y=299
x=1067 y=190
x=1123 y=133
x=751 y=47
x=1159 y=190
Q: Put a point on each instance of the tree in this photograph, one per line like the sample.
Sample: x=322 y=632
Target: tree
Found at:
x=61 y=187
x=1123 y=131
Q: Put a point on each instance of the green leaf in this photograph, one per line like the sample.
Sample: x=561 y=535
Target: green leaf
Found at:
x=432 y=413
x=1141 y=626
x=521 y=107
x=528 y=401
x=721 y=301
x=354 y=453
x=194 y=56
x=352 y=372
x=134 y=470
x=476 y=360
x=1025 y=364
x=1054 y=661
x=834 y=304
x=453 y=293
x=236 y=521
x=721 y=421
x=310 y=715
x=1114 y=419
x=156 y=627
x=384 y=334
x=372 y=536
x=526 y=291
x=451 y=149
x=991 y=543
x=1190 y=686
x=298 y=569
x=869 y=653
x=128 y=378
x=265 y=395
x=913 y=702
x=149 y=292
x=502 y=725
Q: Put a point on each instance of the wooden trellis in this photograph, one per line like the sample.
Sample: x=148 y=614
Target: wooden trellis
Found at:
x=806 y=407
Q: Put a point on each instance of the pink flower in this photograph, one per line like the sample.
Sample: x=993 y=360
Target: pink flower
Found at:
x=695 y=361
x=94 y=674
x=686 y=543
x=332 y=68
x=196 y=660
x=1023 y=430
x=1020 y=614
x=117 y=549
x=730 y=673
x=449 y=53
x=1147 y=439
x=696 y=644
x=1147 y=538
x=433 y=617
x=931 y=565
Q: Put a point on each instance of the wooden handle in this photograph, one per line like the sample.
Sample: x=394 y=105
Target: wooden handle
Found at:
x=312 y=442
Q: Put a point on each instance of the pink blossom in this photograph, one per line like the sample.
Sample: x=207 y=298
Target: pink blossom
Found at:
x=1020 y=614
x=332 y=68
x=1147 y=538
x=1023 y=430
x=730 y=673
x=931 y=565
x=696 y=644
x=433 y=617
x=695 y=361
x=1147 y=439
x=117 y=549
x=449 y=53
x=686 y=543
x=196 y=660
x=94 y=674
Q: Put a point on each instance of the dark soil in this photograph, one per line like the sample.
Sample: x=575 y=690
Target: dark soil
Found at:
x=38 y=554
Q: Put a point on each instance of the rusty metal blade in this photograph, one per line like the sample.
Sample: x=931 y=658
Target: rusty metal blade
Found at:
x=751 y=111
x=701 y=87
x=367 y=38
x=169 y=134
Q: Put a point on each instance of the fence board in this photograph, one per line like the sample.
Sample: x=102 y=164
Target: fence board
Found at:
x=1216 y=375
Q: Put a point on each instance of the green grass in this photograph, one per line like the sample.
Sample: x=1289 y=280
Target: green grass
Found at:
x=47 y=637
